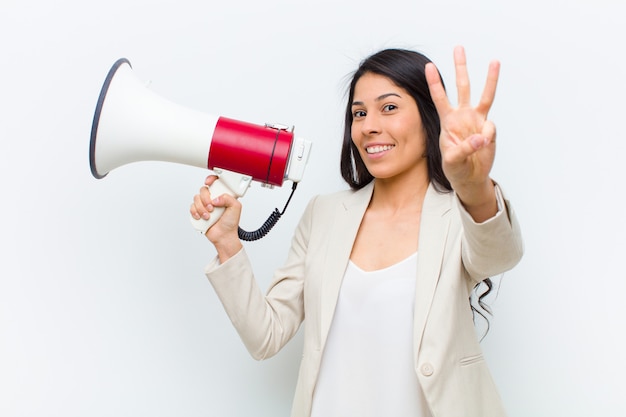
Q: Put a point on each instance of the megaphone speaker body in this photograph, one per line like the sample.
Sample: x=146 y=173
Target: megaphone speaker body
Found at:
x=132 y=123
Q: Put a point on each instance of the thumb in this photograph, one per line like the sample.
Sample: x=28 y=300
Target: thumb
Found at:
x=225 y=200
x=229 y=211
x=459 y=153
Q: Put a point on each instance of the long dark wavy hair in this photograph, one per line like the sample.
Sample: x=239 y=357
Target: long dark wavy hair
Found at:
x=405 y=69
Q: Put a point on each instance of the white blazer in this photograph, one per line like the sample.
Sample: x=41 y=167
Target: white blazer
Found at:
x=454 y=254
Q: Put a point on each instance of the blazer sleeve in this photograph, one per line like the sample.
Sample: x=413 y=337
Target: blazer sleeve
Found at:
x=265 y=322
x=494 y=246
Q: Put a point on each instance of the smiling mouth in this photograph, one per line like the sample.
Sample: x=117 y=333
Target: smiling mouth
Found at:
x=378 y=148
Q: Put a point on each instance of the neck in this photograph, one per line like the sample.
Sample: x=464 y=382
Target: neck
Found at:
x=399 y=195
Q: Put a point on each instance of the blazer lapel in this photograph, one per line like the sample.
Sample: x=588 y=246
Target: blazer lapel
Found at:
x=434 y=226
x=343 y=231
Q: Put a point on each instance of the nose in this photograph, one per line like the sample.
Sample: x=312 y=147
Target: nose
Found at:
x=370 y=124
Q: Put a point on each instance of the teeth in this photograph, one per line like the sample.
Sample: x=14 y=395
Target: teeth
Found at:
x=379 y=148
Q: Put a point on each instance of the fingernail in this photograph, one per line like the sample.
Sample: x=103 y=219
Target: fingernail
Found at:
x=206 y=216
x=478 y=141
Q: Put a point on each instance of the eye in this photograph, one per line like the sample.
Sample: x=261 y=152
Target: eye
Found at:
x=358 y=113
x=389 y=107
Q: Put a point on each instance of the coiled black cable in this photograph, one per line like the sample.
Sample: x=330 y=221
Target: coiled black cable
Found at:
x=268 y=224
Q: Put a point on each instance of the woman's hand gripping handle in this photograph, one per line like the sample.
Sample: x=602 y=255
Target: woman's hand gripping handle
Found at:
x=215 y=212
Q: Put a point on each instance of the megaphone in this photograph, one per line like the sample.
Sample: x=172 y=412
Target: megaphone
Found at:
x=132 y=123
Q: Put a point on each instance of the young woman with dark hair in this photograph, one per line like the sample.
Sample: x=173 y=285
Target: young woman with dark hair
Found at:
x=383 y=272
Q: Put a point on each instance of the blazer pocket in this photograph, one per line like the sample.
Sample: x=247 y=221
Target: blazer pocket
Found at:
x=470 y=360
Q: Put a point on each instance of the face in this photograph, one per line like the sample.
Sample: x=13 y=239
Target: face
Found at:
x=387 y=129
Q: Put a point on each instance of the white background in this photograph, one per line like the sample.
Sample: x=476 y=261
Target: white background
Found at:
x=104 y=308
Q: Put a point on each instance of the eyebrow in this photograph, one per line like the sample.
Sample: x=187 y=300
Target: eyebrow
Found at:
x=379 y=98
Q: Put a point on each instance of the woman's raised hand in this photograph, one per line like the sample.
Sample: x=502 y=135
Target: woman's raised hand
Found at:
x=467 y=139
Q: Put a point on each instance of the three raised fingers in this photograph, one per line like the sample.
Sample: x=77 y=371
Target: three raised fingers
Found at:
x=438 y=93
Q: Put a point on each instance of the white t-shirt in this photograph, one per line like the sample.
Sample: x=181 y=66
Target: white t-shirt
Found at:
x=367 y=369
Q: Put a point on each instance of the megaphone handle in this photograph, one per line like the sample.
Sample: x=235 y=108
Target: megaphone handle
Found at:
x=216 y=189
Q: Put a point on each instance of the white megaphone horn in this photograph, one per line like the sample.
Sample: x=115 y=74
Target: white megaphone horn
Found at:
x=131 y=123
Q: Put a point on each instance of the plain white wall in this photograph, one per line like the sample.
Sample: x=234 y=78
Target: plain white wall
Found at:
x=104 y=308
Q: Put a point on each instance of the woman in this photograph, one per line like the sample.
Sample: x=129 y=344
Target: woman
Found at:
x=383 y=272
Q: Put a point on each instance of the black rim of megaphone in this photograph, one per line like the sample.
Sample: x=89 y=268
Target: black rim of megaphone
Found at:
x=96 y=117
